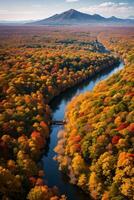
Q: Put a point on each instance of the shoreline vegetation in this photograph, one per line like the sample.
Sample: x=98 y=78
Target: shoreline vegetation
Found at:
x=34 y=69
x=95 y=148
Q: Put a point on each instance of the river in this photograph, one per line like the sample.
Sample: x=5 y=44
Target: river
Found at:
x=58 y=105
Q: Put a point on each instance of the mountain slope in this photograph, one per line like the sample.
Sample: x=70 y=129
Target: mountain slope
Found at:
x=72 y=16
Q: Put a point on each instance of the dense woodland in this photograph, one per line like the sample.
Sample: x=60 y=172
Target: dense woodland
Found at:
x=36 y=65
x=96 y=147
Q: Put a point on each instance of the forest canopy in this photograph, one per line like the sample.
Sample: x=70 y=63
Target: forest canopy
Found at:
x=96 y=147
x=35 y=66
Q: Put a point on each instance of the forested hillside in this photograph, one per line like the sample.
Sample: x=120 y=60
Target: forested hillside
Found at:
x=35 y=66
x=96 y=147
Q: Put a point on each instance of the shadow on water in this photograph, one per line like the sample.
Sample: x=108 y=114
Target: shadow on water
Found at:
x=58 y=105
x=91 y=82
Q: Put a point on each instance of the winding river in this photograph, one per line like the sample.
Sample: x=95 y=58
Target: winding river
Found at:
x=58 y=106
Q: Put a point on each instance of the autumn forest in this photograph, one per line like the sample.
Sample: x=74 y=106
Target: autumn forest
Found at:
x=95 y=148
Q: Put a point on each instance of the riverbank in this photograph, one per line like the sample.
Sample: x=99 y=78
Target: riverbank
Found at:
x=30 y=77
x=52 y=174
x=97 y=138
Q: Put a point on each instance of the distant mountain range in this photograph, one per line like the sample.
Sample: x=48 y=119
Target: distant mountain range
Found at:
x=74 y=17
x=7 y=22
x=131 y=17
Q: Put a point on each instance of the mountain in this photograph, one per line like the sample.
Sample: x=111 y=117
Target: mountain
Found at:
x=131 y=17
x=7 y=22
x=72 y=17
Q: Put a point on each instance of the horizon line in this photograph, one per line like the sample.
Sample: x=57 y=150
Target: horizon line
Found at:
x=25 y=20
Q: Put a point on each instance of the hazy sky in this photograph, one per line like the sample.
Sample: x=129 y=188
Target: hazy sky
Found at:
x=39 y=9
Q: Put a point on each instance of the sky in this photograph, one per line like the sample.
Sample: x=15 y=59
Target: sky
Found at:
x=40 y=9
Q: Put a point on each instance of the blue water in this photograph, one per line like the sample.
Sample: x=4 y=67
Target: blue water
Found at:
x=54 y=177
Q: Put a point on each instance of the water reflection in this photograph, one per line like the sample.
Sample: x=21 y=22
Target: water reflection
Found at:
x=86 y=85
x=52 y=175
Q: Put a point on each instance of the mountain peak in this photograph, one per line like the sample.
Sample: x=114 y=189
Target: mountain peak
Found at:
x=71 y=13
x=113 y=17
x=72 y=10
x=72 y=16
